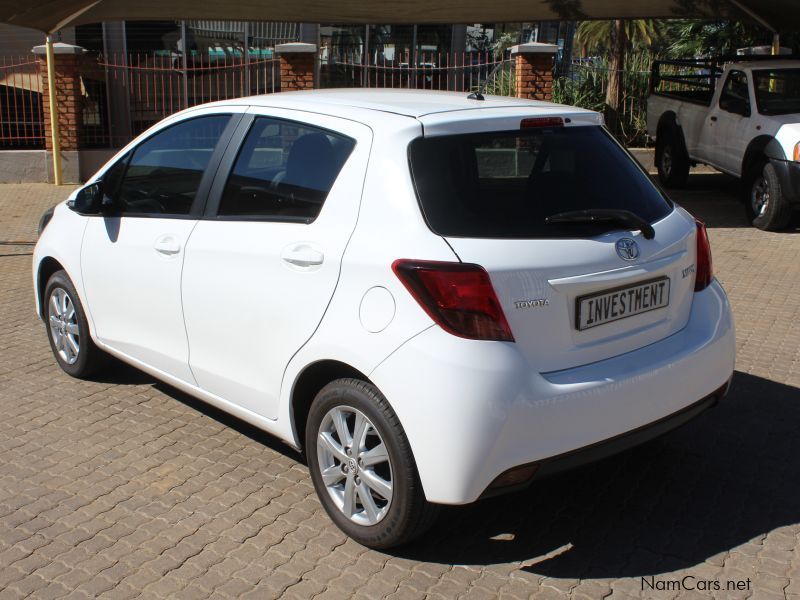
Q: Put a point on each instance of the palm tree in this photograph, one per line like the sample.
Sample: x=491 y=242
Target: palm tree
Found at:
x=710 y=38
x=616 y=37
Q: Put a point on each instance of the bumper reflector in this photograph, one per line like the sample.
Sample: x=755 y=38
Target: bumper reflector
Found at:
x=514 y=477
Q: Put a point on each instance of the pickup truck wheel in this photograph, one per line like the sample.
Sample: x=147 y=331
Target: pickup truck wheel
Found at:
x=672 y=160
x=765 y=205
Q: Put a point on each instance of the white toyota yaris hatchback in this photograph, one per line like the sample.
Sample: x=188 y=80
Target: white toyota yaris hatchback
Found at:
x=437 y=298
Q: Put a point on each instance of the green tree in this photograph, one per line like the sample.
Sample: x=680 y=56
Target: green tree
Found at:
x=616 y=38
x=691 y=38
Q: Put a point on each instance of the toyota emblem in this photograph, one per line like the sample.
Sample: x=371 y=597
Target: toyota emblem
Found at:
x=627 y=249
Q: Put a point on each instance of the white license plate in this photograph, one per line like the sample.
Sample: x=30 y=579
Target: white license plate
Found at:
x=621 y=303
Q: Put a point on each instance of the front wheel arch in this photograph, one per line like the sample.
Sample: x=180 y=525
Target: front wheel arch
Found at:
x=761 y=148
x=47 y=266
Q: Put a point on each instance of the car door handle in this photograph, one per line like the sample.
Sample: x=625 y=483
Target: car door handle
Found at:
x=167 y=245
x=302 y=255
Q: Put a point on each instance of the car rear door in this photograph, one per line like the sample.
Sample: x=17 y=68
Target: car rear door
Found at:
x=263 y=264
x=132 y=258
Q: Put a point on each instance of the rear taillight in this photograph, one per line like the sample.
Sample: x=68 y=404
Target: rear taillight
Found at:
x=705 y=272
x=458 y=296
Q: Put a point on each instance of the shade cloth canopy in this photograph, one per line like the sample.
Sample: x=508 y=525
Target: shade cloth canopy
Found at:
x=51 y=15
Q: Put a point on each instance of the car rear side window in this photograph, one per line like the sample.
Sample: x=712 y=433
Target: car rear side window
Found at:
x=284 y=171
x=164 y=173
x=506 y=184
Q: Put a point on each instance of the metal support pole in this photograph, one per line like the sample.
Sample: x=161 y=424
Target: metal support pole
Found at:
x=755 y=16
x=413 y=47
x=185 y=62
x=365 y=59
x=248 y=90
x=51 y=93
x=118 y=95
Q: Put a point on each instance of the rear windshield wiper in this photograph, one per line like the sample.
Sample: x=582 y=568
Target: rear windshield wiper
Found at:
x=598 y=215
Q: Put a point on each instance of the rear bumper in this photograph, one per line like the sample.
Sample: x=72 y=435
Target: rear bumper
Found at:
x=615 y=445
x=789 y=175
x=473 y=410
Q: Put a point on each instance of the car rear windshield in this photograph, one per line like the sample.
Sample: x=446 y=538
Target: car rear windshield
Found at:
x=505 y=184
x=777 y=91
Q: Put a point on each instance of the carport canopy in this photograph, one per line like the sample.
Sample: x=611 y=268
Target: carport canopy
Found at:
x=50 y=15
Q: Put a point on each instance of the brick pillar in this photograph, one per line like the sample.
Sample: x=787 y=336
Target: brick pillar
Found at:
x=534 y=70
x=297 y=65
x=68 y=94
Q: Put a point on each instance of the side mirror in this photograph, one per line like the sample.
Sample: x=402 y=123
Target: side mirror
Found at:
x=91 y=200
x=88 y=201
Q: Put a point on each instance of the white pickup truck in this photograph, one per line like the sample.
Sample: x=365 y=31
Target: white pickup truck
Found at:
x=742 y=119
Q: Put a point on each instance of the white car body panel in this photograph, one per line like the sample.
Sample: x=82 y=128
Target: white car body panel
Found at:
x=63 y=244
x=560 y=271
x=471 y=409
x=495 y=412
x=137 y=308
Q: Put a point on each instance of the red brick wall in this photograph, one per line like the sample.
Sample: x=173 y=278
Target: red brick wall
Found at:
x=297 y=71
x=534 y=75
x=68 y=98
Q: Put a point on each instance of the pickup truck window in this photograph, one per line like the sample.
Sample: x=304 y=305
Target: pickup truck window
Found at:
x=735 y=96
x=777 y=91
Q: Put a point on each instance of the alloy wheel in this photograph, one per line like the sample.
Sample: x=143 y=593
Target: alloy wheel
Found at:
x=355 y=465
x=759 y=195
x=63 y=322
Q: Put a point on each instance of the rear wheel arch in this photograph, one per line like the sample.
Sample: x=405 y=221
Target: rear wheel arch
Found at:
x=667 y=118
x=669 y=121
x=671 y=155
x=308 y=384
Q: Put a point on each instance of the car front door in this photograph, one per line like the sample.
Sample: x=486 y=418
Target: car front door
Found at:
x=262 y=266
x=132 y=257
x=729 y=123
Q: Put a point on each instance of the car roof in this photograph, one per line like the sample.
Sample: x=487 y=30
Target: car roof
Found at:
x=408 y=103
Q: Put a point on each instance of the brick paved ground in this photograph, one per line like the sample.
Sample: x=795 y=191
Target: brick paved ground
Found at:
x=124 y=487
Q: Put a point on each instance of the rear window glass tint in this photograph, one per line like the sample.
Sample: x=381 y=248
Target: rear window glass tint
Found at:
x=505 y=184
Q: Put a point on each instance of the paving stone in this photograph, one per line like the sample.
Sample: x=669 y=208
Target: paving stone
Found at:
x=122 y=487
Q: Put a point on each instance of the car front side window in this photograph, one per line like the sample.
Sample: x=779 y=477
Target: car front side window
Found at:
x=735 y=96
x=164 y=172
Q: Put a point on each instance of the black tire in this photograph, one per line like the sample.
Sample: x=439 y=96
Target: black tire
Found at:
x=672 y=159
x=775 y=213
x=89 y=357
x=408 y=514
